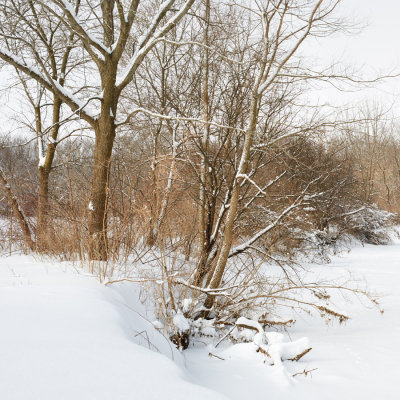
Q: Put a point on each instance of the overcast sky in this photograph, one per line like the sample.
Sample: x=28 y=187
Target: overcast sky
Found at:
x=378 y=43
x=374 y=50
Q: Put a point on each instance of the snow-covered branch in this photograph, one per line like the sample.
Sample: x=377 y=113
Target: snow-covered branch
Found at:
x=176 y=118
x=52 y=85
x=151 y=38
x=295 y=204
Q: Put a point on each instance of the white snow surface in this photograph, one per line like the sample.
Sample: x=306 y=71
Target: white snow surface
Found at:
x=358 y=360
x=63 y=335
x=181 y=323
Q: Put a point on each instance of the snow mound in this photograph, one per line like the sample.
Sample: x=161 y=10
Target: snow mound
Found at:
x=65 y=336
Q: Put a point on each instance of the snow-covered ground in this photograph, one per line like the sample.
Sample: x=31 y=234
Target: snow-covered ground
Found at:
x=357 y=360
x=65 y=336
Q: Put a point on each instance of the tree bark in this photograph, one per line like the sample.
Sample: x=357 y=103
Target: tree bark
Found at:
x=204 y=208
x=42 y=212
x=44 y=223
x=226 y=245
x=105 y=134
x=12 y=201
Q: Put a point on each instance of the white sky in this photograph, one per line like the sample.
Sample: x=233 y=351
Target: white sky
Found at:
x=375 y=50
x=378 y=42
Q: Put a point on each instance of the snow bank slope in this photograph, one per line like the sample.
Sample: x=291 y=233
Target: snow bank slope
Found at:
x=359 y=360
x=64 y=336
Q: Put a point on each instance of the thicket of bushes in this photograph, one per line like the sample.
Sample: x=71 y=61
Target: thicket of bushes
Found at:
x=342 y=198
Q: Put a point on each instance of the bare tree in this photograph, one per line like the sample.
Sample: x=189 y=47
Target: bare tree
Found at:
x=284 y=26
x=103 y=31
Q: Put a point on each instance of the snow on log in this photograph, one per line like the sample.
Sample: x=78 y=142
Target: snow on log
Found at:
x=273 y=344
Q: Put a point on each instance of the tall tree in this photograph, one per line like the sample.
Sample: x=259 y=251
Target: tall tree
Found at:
x=284 y=26
x=104 y=31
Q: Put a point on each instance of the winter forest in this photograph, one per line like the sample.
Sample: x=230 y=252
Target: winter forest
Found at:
x=187 y=206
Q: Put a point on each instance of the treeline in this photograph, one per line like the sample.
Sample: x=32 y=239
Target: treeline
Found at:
x=344 y=182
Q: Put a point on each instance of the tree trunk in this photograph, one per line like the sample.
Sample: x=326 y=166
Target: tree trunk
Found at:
x=105 y=134
x=44 y=223
x=12 y=201
x=151 y=239
x=204 y=209
x=226 y=245
x=42 y=213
